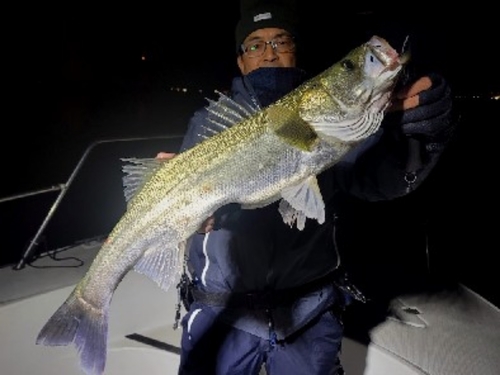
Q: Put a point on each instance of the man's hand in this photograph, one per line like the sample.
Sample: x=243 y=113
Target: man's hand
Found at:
x=424 y=107
x=408 y=97
x=208 y=224
x=165 y=155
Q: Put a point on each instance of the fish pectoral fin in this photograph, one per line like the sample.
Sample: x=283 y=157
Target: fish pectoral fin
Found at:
x=291 y=128
x=137 y=172
x=302 y=201
x=161 y=263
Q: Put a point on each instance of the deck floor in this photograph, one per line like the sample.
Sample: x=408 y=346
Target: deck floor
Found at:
x=455 y=333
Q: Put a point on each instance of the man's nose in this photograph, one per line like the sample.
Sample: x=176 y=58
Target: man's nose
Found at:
x=270 y=50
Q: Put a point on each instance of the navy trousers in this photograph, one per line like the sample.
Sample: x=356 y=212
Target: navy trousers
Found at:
x=210 y=347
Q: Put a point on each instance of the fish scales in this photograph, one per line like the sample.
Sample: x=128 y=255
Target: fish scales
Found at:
x=271 y=154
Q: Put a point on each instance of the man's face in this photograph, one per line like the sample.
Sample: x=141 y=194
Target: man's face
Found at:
x=255 y=43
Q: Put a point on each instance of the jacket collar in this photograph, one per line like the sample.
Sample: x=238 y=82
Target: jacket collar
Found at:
x=264 y=86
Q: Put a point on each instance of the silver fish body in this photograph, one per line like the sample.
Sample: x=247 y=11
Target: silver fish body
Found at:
x=270 y=154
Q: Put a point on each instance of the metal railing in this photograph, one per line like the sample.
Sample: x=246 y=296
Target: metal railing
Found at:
x=63 y=188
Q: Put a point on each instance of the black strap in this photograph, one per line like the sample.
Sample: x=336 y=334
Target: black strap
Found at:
x=414 y=163
x=262 y=299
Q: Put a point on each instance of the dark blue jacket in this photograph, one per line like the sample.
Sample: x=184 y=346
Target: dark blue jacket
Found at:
x=254 y=250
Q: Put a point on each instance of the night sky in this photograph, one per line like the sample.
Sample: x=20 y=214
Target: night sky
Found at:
x=195 y=43
x=75 y=72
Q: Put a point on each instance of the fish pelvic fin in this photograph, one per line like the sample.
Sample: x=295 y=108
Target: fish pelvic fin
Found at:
x=137 y=172
x=302 y=201
x=77 y=322
x=162 y=264
x=291 y=128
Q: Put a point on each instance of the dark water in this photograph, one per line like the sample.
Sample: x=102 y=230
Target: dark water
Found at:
x=444 y=229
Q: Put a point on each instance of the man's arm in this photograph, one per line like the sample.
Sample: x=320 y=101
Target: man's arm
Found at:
x=412 y=138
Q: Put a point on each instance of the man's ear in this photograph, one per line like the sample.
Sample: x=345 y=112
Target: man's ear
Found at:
x=241 y=64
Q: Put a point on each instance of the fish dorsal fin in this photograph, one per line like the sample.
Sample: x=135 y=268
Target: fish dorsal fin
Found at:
x=225 y=112
x=161 y=263
x=137 y=172
x=302 y=201
x=290 y=127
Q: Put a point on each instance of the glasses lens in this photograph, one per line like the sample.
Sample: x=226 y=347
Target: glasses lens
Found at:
x=282 y=44
x=254 y=48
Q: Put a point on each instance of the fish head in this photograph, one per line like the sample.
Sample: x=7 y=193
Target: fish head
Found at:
x=348 y=100
x=381 y=68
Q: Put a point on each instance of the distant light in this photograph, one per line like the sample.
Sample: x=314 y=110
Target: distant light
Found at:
x=186 y=90
x=143 y=58
x=479 y=96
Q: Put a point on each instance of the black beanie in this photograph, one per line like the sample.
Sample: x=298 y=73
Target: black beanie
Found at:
x=263 y=14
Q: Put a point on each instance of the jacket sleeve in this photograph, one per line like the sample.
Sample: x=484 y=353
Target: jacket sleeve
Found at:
x=196 y=130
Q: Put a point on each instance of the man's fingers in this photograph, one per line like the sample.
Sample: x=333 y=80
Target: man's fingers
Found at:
x=415 y=88
x=408 y=97
x=165 y=155
x=403 y=105
x=207 y=225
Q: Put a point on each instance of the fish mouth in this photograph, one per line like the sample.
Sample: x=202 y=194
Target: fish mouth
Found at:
x=383 y=64
x=388 y=56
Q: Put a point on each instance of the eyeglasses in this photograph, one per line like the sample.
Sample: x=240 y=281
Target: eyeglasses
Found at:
x=281 y=44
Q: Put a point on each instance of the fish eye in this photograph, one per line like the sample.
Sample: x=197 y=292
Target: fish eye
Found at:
x=348 y=64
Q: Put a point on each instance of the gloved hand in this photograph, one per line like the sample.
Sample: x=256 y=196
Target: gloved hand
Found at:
x=423 y=107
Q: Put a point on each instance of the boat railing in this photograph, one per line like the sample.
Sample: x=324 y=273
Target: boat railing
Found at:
x=170 y=142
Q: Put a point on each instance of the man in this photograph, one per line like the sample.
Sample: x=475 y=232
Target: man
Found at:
x=269 y=295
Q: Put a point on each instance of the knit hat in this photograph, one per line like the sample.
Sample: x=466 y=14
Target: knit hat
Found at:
x=262 y=14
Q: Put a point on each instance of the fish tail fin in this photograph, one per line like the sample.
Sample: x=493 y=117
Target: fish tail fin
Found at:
x=75 y=321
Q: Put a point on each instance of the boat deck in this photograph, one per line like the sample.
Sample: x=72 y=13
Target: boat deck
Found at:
x=456 y=333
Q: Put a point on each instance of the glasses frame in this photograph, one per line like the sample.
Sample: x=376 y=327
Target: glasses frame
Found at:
x=273 y=45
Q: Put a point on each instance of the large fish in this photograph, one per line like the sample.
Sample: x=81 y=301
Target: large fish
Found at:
x=260 y=156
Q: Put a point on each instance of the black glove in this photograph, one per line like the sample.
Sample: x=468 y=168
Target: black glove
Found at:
x=430 y=116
